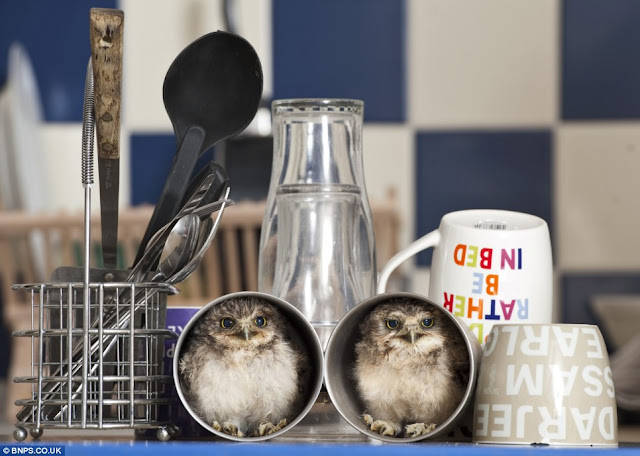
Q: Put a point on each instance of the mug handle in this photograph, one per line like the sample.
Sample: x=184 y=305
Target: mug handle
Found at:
x=428 y=240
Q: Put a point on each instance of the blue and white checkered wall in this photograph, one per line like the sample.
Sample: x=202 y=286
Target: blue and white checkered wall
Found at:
x=528 y=105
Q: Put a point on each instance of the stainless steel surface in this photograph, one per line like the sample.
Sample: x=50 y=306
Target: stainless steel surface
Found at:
x=208 y=209
x=178 y=243
x=158 y=238
x=340 y=358
x=305 y=336
x=180 y=247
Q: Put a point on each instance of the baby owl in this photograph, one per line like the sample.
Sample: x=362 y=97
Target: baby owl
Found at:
x=411 y=368
x=240 y=370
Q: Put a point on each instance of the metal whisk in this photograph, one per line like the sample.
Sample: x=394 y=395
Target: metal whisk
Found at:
x=88 y=127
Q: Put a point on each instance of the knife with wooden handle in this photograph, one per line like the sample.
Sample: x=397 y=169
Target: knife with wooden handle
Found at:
x=106 y=30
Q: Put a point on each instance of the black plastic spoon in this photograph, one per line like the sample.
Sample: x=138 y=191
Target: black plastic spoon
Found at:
x=211 y=92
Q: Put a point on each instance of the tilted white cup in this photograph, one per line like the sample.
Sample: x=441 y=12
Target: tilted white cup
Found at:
x=545 y=384
x=489 y=267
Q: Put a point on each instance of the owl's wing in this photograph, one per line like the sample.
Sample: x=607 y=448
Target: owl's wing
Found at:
x=189 y=362
x=303 y=363
x=460 y=365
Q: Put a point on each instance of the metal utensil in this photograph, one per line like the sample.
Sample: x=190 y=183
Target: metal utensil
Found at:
x=206 y=188
x=211 y=92
x=220 y=182
x=88 y=123
x=178 y=248
x=106 y=30
x=203 y=247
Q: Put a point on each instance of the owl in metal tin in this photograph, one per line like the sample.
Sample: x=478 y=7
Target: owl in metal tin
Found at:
x=411 y=367
x=242 y=371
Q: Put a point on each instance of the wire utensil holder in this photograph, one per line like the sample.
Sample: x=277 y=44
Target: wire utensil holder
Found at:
x=96 y=345
x=124 y=385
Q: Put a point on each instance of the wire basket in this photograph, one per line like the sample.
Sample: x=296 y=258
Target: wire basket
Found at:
x=96 y=363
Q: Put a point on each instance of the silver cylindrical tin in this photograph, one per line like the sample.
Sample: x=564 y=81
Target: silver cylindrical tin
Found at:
x=340 y=362
x=304 y=332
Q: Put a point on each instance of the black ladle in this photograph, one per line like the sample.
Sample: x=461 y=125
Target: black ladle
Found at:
x=211 y=92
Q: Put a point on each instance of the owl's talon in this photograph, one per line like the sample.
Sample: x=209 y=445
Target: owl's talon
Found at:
x=265 y=428
x=368 y=419
x=416 y=429
x=231 y=429
x=380 y=426
x=268 y=428
x=216 y=426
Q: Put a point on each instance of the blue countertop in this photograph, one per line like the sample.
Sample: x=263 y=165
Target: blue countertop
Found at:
x=175 y=448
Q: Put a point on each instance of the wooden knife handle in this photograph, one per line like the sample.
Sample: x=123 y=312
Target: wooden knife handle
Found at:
x=106 y=29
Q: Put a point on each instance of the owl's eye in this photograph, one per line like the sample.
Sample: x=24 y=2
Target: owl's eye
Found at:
x=427 y=323
x=227 y=323
x=392 y=323
x=260 y=321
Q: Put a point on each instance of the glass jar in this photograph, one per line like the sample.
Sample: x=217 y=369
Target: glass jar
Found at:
x=317 y=246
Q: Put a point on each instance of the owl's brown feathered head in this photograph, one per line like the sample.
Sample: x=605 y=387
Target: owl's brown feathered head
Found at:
x=241 y=323
x=407 y=326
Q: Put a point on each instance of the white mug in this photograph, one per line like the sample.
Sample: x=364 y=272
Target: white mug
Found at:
x=545 y=384
x=489 y=267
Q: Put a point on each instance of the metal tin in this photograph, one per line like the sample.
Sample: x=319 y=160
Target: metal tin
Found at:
x=340 y=359
x=307 y=335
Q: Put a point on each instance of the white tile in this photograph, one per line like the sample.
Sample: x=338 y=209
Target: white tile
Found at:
x=596 y=186
x=389 y=166
x=254 y=24
x=420 y=279
x=482 y=62
x=62 y=143
x=156 y=31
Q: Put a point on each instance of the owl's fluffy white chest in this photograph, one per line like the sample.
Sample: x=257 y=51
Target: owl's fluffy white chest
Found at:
x=248 y=388
x=407 y=392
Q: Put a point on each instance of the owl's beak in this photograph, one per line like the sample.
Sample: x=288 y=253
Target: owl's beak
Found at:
x=411 y=336
x=245 y=333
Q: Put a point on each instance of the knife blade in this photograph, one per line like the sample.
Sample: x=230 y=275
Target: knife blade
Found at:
x=106 y=34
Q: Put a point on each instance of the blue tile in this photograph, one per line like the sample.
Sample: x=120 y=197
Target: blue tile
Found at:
x=601 y=59
x=151 y=158
x=458 y=170
x=342 y=49
x=56 y=36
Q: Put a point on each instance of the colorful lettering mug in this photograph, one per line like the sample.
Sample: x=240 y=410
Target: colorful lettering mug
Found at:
x=488 y=267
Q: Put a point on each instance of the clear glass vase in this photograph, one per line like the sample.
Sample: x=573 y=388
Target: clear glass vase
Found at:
x=317 y=247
